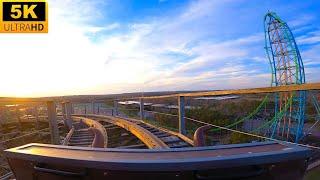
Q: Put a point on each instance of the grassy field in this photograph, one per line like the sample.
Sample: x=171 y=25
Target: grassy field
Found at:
x=313 y=174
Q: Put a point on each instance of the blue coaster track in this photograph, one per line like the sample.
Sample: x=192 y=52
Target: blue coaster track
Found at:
x=287 y=69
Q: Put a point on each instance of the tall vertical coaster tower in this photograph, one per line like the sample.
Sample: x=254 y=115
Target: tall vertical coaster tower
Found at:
x=287 y=69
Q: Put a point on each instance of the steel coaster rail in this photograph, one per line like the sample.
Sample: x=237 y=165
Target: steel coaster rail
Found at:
x=287 y=68
x=248 y=117
x=275 y=118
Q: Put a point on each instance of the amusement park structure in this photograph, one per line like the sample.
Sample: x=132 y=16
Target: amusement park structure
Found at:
x=286 y=120
x=287 y=68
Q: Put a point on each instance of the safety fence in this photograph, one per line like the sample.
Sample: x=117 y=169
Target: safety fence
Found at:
x=248 y=115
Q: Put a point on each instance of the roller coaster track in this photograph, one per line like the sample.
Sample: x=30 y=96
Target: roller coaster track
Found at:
x=83 y=134
x=275 y=119
x=286 y=68
x=81 y=137
x=151 y=136
x=249 y=116
x=293 y=121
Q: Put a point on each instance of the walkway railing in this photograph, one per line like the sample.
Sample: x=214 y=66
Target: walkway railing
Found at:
x=177 y=120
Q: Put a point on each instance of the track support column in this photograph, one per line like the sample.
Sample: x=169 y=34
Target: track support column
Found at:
x=141 y=109
x=115 y=107
x=63 y=110
x=53 y=124
x=92 y=107
x=36 y=115
x=182 y=123
x=68 y=109
x=18 y=117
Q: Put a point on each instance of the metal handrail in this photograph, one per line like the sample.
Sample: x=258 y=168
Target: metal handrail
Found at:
x=286 y=88
x=67 y=138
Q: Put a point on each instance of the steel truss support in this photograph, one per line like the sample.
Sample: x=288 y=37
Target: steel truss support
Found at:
x=286 y=69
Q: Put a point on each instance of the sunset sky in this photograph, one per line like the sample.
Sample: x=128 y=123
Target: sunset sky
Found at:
x=113 y=46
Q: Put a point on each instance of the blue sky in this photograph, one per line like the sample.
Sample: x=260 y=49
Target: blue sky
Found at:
x=112 y=46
